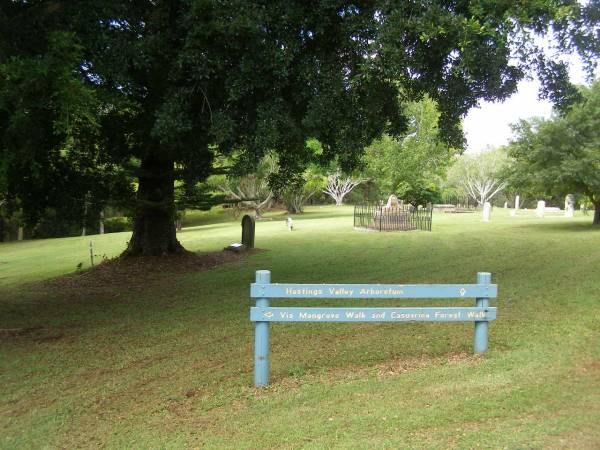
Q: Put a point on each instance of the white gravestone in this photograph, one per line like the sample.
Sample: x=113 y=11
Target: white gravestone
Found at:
x=392 y=202
x=569 y=206
x=290 y=223
x=541 y=208
x=487 y=210
x=514 y=211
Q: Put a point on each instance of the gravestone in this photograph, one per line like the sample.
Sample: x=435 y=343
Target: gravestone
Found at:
x=569 y=205
x=392 y=202
x=248 y=225
x=487 y=210
x=541 y=208
x=514 y=211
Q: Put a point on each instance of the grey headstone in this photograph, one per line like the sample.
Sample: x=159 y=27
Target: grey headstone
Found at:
x=248 y=225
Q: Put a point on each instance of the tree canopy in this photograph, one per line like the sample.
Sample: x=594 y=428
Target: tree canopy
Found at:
x=158 y=90
x=562 y=155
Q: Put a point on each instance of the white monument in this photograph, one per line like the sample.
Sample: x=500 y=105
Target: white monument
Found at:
x=392 y=202
x=541 y=208
x=514 y=211
x=487 y=210
x=569 y=206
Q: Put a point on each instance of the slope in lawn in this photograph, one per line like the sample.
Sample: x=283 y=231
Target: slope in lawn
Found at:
x=167 y=361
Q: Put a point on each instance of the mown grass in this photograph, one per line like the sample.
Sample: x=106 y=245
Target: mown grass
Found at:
x=167 y=362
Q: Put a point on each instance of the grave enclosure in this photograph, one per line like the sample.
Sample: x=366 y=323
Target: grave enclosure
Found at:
x=262 y=314
x=397 y=217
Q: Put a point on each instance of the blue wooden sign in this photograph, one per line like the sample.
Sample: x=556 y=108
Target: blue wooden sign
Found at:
x=258 y=290
x=262 y=314
x=371 y=314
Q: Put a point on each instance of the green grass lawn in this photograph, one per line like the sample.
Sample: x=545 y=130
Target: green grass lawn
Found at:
x=166 y=361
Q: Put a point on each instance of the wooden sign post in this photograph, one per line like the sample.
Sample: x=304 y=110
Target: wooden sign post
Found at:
x=263 y=290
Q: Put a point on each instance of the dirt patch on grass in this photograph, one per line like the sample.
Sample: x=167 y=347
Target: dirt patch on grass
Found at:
x=392 y=368
x=401 y=366
x=37 y=334
x=139 y=273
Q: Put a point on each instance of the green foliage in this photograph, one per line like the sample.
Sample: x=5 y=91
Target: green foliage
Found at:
x=117 y=224
x=301 y=189
x=410 y=166
x=50 y=124
x=562 y=155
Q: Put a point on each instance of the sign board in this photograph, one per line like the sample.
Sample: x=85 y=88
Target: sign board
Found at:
x=263 y=314
x=371 y=314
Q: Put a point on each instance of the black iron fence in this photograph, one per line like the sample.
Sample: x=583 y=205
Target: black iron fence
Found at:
x=398 y=218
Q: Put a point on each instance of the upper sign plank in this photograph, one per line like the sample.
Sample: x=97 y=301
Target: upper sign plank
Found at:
x=276 y=290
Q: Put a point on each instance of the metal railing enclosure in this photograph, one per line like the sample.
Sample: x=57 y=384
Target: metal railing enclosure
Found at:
x=397 y=218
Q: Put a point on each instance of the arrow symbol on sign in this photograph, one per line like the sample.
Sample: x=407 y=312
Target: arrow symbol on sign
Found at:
x=462 y=292
x=268 y=314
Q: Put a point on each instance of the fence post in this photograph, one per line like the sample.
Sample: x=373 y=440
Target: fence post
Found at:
x=481 y=327
x=430 y=215
x=261 y=337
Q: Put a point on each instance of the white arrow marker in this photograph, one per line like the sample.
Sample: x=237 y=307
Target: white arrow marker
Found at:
x=268 y=314
x=462 y=292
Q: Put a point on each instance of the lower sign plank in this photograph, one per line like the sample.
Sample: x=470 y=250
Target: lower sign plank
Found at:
x=459 y=314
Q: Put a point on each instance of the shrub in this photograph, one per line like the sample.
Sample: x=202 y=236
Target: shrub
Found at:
x=117 y=224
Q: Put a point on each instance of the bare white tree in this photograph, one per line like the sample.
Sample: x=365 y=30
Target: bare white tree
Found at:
x=338 y=187
x=483 y=190
x=480 y=175
x=252 y=191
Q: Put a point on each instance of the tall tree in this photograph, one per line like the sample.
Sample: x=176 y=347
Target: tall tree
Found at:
x=409 y=165
x=161 y=88
x=562 y=155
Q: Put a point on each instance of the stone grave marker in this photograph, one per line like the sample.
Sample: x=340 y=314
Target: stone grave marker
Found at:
x=569 y=205
x=248 y=226
x=541 y=208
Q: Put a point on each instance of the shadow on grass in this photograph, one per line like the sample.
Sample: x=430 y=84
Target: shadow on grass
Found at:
x=561 y=226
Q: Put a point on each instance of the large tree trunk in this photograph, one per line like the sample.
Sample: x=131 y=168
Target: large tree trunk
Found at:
x=596 y=220
x=154 y=230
